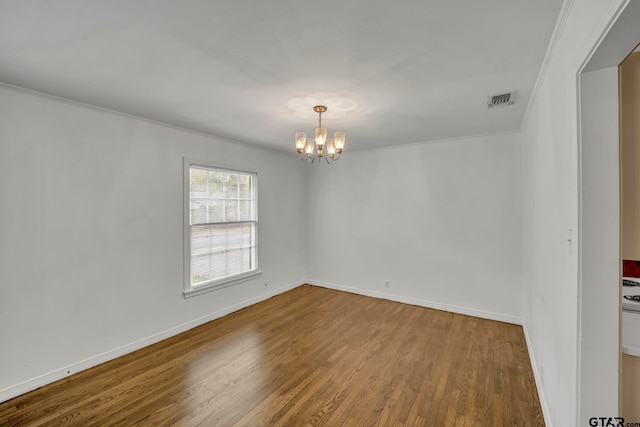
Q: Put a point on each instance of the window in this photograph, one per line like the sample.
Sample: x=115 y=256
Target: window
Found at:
x=220 y=227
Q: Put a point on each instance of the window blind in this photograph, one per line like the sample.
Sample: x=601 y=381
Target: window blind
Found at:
x=223 y=223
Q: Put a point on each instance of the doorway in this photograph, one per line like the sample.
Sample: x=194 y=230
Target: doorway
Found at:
x=599 y=220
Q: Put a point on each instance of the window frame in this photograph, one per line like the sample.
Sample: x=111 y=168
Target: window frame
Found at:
x=193 y=290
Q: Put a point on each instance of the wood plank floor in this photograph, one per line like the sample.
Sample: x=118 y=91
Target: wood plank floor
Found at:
x=310 y=356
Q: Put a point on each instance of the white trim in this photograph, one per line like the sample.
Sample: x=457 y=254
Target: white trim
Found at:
x=577 y=151
x=422 y=303
x=631 y=351
x=58 y=374
x=544 y=68
x=222 y=283
x=188 y=289
x=69 y=101
x=596 y=37
x=515 y=131
x=536 y=375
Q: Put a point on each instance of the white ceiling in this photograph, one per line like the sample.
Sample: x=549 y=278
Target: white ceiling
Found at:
x=405 y=71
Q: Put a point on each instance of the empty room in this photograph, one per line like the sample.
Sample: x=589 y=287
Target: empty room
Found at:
x=339 y=213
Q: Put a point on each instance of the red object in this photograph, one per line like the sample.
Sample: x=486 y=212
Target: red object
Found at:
x=630 y=268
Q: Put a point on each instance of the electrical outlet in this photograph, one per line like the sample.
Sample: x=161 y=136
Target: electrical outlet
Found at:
x=266 y=285
x=387 y=284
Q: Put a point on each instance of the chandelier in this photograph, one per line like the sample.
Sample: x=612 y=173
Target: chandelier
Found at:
x=310 y=149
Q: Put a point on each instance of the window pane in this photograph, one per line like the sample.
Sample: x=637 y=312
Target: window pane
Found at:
x=245 y=186
x=218 y=240
x=234 y=237
x=216 y=210
x=230 y=210
x=248 y=235
x=215 y=181
x=198 y=180
x=221 y=250
x=245 y=213
x=230 y=186
x=234 y=261
x=246 y=259
x=198 y=212
x=220 y=196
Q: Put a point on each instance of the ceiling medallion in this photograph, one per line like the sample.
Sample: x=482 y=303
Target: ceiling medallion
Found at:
x=310 y=149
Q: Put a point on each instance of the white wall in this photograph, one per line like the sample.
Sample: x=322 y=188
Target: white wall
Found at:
x=91 y=234
x=550 y=188
x=441 y=221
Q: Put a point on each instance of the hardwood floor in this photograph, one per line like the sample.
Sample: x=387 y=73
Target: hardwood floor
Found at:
x=310 y=356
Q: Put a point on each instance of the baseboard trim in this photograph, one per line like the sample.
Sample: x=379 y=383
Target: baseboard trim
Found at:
x=536 y=375
x=422 y=303
x=58 y=374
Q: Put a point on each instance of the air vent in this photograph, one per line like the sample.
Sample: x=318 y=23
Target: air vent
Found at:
x=500 y=100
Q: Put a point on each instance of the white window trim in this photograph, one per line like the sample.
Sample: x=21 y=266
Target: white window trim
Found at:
x=189 y=290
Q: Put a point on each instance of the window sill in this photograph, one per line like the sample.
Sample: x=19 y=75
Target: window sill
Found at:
x=222 y=283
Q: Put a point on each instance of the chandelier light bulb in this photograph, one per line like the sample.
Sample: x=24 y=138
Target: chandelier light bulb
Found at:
x=321 y=136
x=339 y=138
x=309 y=145
x=301 y=140
x=331 y=148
